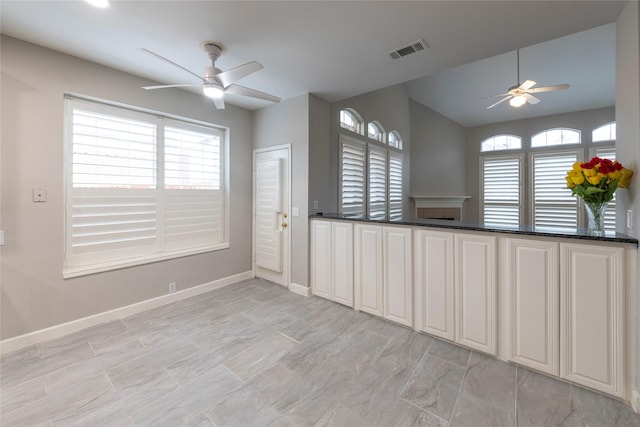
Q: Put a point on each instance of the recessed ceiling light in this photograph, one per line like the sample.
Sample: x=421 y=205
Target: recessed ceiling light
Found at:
x=102 y=4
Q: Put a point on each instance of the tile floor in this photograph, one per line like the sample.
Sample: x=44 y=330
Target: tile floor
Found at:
x=254 y=354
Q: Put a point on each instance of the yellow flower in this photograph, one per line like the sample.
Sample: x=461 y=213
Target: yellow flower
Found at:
x=625 y=177
x=577 y=167
x=595 y=179
x=590 y=172
x=570 y=183
x=614 y=175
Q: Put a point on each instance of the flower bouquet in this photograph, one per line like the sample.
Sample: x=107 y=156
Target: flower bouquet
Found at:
x=595 y=182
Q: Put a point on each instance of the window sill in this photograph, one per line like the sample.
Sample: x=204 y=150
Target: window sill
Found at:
x=100 y=267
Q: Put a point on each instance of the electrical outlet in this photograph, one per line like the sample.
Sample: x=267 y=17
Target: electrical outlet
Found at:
x=630 y=219
x=172 y=287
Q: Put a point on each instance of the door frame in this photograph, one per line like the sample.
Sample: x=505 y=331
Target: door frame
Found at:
x=287 y=254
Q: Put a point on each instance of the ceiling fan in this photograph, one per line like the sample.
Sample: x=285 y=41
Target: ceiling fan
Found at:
x=521 y=93
x=215 y=82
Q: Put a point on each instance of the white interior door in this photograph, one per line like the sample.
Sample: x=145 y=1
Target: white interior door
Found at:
x=271 y=214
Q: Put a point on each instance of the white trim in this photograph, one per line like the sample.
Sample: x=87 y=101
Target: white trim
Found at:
x=305 y=291
x=57 y=331
x=635 y=400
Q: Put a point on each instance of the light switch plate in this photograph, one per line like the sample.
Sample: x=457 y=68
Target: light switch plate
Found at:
x=630 y=219
x=295 y=211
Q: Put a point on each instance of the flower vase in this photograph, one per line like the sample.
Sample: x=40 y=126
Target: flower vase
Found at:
x=595 y=217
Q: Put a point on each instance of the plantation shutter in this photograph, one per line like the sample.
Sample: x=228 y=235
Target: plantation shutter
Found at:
x=377 y=183
x=395 y=185
x=501 y=190
x=610 y=214
x=352 y=176
x=193 y=208
x=553 y=204
x=112 y=200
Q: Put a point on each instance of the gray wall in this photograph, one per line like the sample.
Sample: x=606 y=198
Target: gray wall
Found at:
x=320 y=188
x=34 y=295
x=628 y=129
x=585 y=121
x=438 y=153
x=388 y=106
x=288 y=123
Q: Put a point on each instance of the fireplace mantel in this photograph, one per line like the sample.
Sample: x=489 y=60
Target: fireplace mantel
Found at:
x=439 y=201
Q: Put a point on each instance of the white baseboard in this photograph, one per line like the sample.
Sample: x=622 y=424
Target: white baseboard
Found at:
x=16 y=343
x=300 y=289
x=635 y=400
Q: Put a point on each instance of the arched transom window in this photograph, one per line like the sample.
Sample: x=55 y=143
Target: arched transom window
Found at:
x=501 y=142
x=604 y=133
x=350 y=120
x=375 y=131
x=560 y=136
x=394 y=140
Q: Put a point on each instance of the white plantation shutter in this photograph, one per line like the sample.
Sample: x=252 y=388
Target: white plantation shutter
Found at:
x=610 y=214
x=139 y=188
x=501 y=190
x=395 y=185
x=377 y=182
x=553 y=205
x=352 y=176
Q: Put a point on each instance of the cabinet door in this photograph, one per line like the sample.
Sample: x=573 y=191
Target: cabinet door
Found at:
x=434 y=287
x=592 y=316
x=368 y=268
x=475 y=280
x=321 y=258
x=342 y=262
x=532 y=275
x=398 y=280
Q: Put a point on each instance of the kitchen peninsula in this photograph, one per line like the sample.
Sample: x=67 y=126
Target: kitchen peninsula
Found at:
x=559 y=301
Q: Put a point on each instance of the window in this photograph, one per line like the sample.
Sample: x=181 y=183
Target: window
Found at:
x=375 y=132
x=350 y=120
x=555 y=137
x=604 y=133
x=552 y=202
x=501 y=142
x=352 y=175
x=139 y=188
x=500 y=190
x=377 y=183
x=394 y=140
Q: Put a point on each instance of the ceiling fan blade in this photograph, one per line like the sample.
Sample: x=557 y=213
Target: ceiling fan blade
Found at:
x=549 y=88
x=245 y=91
x=530 y=98
x=496 y=96
x=231 y=76
x=162 y=58
x=499 y=102
x=527 y=84
x=219 y=103
x=166 y=86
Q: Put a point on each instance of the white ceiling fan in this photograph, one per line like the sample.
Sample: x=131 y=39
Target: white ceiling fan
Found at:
x=521 y=93
x=215 y=82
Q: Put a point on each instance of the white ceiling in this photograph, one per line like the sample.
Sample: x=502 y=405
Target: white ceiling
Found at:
x=338 y=49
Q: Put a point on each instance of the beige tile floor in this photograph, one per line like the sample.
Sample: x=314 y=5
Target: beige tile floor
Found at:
x=254 y=354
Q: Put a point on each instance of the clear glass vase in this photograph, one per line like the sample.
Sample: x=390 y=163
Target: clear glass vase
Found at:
x=595 y=217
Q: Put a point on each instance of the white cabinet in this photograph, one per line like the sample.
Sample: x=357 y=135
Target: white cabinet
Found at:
x=332 y=261
x=434 y=284
x=476 y=291
x=397 y=285
x=532 y=276
x=383 y=272
x=342 y=262
x=368 y=269
x=592 y=316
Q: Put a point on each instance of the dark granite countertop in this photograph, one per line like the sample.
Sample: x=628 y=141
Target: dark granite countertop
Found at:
x=569 y=233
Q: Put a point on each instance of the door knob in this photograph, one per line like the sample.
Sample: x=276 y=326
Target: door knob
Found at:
x=283 y=225
x=284 y=215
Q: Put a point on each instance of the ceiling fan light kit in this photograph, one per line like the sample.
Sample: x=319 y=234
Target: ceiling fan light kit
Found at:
x=215 y=82
x=521 y=93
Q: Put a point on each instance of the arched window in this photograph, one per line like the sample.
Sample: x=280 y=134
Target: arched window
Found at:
x=394 y=140
x=560 y=136
x=375 y=131
x=501 y=142
x=604 y=133
x=351 y=120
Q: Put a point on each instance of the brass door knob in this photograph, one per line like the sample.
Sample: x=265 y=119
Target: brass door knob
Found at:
x=284 y=215
x=283 y=225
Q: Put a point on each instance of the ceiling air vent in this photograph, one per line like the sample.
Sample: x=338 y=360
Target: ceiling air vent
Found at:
x=414 y=47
